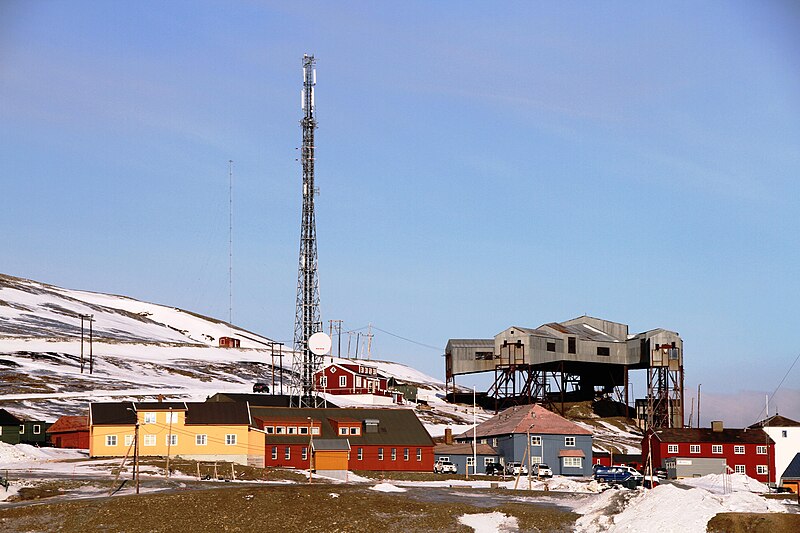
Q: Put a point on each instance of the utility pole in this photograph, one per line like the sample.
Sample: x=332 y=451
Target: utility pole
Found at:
x=169 y=438
x=91 y=340
x=230 y=247
x=336 y=325
x=136 y=453
x=307 y=314
x=82 y=317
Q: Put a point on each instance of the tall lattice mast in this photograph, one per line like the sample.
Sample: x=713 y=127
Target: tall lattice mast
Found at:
x=307 y=317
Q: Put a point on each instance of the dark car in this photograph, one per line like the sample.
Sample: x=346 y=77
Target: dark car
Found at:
x=494 y=469
x=260 y=387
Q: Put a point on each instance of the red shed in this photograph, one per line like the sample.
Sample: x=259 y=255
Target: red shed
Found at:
x=70 y=432
x=229 y=342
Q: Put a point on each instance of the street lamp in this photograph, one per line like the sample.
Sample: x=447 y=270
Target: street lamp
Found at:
x=310 y=448
x=533 y=415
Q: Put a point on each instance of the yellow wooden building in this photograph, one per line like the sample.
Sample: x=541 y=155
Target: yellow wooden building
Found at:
x=207 y=431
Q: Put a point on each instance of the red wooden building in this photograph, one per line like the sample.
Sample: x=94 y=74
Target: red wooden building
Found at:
x=229 y=342
x=746 y=451
x=70 y=432
x=379 y=439
x=351 y=378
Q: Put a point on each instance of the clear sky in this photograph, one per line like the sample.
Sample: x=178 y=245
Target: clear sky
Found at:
x=480 y=165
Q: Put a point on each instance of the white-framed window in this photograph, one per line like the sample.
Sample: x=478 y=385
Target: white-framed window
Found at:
x=291 y=430
x=536 y=440
x=355 y=430
x=269 y=430
x=280 y=430
x=419 y=454
x=149 y=440
x=573 y=462
x=171 y=440
x=342 y=431
x=342 y=381
x=380 y=454
x=488 y=460
x=323 y=382
x=303 y=430
x=716 y=448
x=287 y=453
x=444 y=459
x=22 y=429
x=672 y=448
x=394 y=454
x=358 y=382
x=405 y=454
x=470 y=461
x=149 y=418
x=315 y=430
x=738 y=449
x=37 y=429
x=536 y=459
x=201 y=440
x=494 y=442
x=171 y=418
x=111 y=440
x=761 y=450
x=128 y=440
x=361 y=454
x=739 y=469
x=569 y=441
x=761 y=470
x=784 y=433
x=694 y=448
x=230 y=439
x=274 y=453
x=304 y=454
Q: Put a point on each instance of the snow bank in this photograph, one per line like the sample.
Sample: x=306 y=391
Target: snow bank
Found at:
x=387 y=487
x=716 y=483
x=666 y=509
x=489 y=522
x=12 y=454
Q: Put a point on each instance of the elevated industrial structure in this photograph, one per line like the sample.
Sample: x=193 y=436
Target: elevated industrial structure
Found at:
x=307 y=316
x=576 y=360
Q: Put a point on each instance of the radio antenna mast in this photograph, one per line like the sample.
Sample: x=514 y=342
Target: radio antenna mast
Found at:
x=307 y=316
x=230 y=247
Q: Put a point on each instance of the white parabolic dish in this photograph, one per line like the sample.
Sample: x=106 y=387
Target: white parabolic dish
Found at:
x=319 y=343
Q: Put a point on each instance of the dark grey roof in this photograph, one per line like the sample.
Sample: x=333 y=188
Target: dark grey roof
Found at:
x=122 y=413
x=160 y=406
x=793 y=470
x=234 y=413
x=396 y=427
x=7 y=419
x=330 y=445
x=731 y=436
x=776 y=421
x=112 y=414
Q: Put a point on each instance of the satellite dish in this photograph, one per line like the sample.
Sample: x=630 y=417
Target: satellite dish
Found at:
x=319 y=343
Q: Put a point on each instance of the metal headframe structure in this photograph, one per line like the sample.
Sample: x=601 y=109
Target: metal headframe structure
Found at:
x=307 y=316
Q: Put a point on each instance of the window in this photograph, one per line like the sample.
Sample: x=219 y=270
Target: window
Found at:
x=315 y=430
x=716 y=448
x=358 y=382
x=303 y=430
x=291 y=430
x=37 y=429
x=405 y=454
x=419 y=454
x=287 y=453
x=21 y=429
x=380 y=454
x=201 y=440
x=603 y=350
x=761 y=470
x=444 y=459
x=230 y=439
x=171 y=418
x=738 y=450
x=470 y=461
x=149 y=440
x=536 y=440
x=354 y=430
x=280 y=430
x=274 y=453
x=569 y=441
x=111 y=440
x=762 y=450
x=494 y=442
x=361 y=454
x=573 y=462
x=323 y=382
x=269 y=430
x=783 y=433
x=343 y=381
x=739 y=469
x=551 y=346
x=128 y=440
x=488 y=460
x=343 y=431
x=172 y=440
x=394 y=454
x=672 y=448
x=571 y=345
x=149 y=418
x=694 y=448
x=305 y=454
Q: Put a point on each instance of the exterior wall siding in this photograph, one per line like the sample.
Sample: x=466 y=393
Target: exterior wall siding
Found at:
x=370 y=457
x=70 y=439
x=460 y=461
x=9 y=434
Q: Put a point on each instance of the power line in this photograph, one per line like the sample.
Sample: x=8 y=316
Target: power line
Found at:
x=778 y=387
x=437 y=348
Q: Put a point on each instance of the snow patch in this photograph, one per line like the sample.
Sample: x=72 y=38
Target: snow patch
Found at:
x=387 y=487
x=489 y=522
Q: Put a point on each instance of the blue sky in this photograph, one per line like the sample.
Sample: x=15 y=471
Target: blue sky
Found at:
x=479 y=166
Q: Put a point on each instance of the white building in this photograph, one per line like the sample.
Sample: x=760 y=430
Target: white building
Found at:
x=786 y=434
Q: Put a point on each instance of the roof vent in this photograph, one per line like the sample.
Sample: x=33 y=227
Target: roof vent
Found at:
x=371 y=425
x=716 y=426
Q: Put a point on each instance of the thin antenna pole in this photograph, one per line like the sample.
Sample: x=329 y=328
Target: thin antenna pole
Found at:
x=230 y=247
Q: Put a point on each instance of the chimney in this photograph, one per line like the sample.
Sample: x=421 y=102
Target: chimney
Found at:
x=716 y=426
x=448 y=436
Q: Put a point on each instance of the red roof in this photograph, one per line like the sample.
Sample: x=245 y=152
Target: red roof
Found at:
x=521 y=418
x=69 y=423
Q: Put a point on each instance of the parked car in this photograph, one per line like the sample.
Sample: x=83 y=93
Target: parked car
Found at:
x=541 y=470
x=494 y=469
x=260 y=387
x=625 y=475
x=516 y=468
x=445 y=467
x=661 y=473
